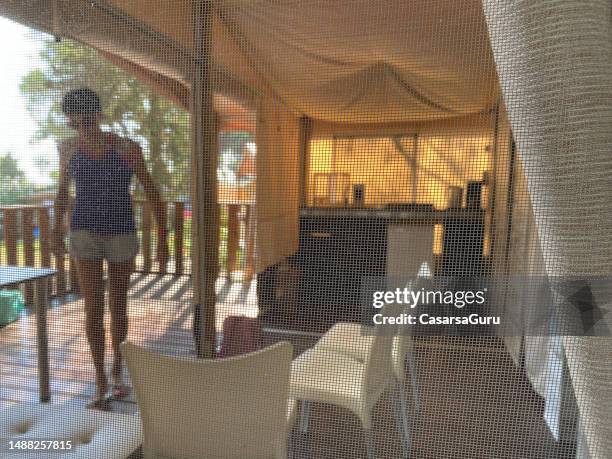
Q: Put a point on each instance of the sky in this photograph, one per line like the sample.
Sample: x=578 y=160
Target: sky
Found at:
x=19 y=55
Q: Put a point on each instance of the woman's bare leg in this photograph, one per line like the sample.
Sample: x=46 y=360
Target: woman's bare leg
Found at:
x=118 y=284
x=91 y=279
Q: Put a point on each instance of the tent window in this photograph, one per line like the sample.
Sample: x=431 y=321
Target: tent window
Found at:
x=397 y=169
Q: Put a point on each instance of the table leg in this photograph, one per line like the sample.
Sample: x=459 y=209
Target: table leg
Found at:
x=42 y=338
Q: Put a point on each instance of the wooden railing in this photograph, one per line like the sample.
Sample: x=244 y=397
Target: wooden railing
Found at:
x=25 y=240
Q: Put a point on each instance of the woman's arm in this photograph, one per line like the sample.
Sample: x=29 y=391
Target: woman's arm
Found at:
x=62 y=198
x=151 y=191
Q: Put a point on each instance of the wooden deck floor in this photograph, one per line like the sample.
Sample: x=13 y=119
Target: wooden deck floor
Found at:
x=475 y=402
x=160 y=315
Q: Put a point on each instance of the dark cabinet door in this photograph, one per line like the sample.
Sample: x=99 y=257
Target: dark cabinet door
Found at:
x=335 y=254
x=463 y=247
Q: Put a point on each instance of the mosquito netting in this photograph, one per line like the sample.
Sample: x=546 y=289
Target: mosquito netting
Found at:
x=302 y=152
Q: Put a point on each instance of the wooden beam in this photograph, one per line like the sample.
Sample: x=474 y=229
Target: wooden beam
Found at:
x=205 y=223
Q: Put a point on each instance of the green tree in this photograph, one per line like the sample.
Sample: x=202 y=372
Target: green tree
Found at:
x=9 y=169
x=15 y=188
x=131 y=109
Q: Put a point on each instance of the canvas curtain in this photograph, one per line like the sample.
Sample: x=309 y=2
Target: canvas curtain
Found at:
x=554 y=59
x=278 y=177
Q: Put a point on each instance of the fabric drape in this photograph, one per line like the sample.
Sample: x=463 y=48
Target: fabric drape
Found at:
x=554 y=60
x=278 y=172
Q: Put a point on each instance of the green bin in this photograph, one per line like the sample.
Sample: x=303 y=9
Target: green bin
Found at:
x=11 y=305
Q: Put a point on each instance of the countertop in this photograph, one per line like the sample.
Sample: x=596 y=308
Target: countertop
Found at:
x=433 y=215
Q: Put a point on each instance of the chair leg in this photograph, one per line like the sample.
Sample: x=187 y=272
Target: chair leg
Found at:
x=401 y=415
x=304 y=415
x=413 y=382
x=290 y=446
x=369 y=443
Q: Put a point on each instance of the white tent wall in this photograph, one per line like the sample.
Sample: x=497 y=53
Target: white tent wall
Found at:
x=526 y=260
x=516 y=253
x=554 y=61
x=502 y=165
x=278 y=181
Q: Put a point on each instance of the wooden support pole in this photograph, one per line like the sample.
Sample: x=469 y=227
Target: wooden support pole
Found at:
x=179 y=225
x=71 y=283
x=163 y=264
x=10 y=235
x=60 y=274
x=147 y=222
x=43 y=228
x=233 y=237
x=73 y=276
x=205 y=223
x=304 y=140
x=44 y=241
x=60 y=260
x=249 y=236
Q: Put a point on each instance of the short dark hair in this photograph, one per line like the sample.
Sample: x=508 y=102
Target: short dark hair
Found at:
x=82 y=101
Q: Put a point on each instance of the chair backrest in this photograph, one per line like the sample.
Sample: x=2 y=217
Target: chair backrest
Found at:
x=378 y=369
x=409 y=255
x=225 y=408
x=410 y=249
x=402 y=343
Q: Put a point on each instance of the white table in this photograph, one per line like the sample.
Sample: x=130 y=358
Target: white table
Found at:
x=13 y=275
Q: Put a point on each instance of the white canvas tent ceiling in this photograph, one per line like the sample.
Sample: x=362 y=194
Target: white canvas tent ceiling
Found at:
x=343 y=61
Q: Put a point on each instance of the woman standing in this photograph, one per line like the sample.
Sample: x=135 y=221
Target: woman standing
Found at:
x=102 y=226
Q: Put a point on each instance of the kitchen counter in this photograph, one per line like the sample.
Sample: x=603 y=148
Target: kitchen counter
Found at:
x=340 y=246
x=431 y=216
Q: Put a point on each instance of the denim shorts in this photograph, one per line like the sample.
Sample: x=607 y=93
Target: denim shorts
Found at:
x=116 y=248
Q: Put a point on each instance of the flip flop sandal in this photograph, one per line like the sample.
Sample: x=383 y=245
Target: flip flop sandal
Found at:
x=121 y=390
x=101 y=402
x=101 y=405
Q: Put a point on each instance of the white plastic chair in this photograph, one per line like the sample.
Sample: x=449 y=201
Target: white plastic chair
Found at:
x=227 y=408
x=351 y=339
x=323 y=375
